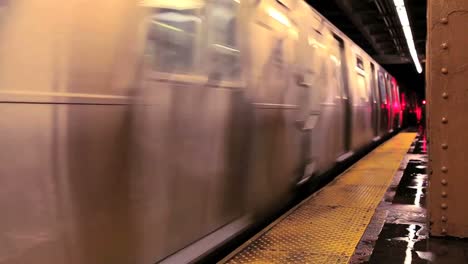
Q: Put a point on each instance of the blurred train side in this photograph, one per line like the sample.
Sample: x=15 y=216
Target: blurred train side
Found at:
x=131 y=134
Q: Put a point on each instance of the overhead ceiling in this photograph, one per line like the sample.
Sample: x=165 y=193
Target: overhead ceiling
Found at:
x=374 y=25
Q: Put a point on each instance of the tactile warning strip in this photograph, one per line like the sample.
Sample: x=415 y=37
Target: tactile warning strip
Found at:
x=326 y=227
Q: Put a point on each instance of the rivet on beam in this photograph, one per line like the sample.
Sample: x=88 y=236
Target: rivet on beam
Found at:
x=444 y=70
x=444 y=182
x=445 y=95
x=444 y=20
x=444 y=206
x=444 y=120
x=444 y=146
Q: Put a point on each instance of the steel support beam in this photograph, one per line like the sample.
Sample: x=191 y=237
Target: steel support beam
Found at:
x=447 y=76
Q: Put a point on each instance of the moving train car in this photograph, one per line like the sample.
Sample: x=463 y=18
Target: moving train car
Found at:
x=158 y=130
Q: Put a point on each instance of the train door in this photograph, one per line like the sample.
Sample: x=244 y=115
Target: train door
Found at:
x=325 y=114
x=361 y=114
x=375 y=102
x=345 y=98
x=312 y=60
x=172 y=78
x=271 y=39
x=189 y=127
x=338 y=144
x=222 y=114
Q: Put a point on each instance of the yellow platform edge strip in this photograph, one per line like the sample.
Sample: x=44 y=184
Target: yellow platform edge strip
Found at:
x=327 y=226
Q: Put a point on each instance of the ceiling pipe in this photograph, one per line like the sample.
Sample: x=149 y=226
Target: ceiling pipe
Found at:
x=346 y=7
x=384 y=11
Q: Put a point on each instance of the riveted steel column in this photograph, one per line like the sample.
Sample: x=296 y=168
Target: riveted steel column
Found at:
x=447 y=118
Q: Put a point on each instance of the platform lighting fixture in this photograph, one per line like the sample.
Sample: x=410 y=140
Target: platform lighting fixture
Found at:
x=403 y=16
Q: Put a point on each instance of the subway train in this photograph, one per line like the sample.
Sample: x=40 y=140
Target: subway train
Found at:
x=157 y=130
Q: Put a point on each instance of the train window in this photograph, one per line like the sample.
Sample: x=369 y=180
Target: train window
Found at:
x=383 y=92
x=359 y=63
x=397 y=91
x=389 y=90
x=374 y=91
x=362 y=96
x=336 y=49
x=172 y=39
x=272 y=48
x=336 y=76
x=396 y=98
x=223 y=50
x=312 y=58
x=361 y=92
x=336 y=69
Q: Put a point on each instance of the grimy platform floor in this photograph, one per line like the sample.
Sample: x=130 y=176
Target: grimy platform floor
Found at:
x=326 y=227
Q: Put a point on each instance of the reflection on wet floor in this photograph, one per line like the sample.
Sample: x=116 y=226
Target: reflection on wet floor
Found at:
x=397 y=244
x=397 y=232
x=412 y=187
x=409 y=243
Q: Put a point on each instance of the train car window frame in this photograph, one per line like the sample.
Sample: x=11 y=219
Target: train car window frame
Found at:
x=388 y=85
x=374 y=83
x=362 y=89
x=180 y=66
x=336 y=71
x=222 y=49
x=279 y=35
x=314 y=61
x=382 y=88
x=360 y=63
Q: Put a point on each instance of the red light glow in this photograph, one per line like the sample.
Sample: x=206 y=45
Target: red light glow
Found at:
x=403 y=101
x=418 y=113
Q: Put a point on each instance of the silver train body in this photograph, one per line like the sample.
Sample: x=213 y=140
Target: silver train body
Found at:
x=138 y=133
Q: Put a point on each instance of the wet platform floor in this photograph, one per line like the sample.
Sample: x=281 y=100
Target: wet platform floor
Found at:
x=327 y=226
x=398 y=230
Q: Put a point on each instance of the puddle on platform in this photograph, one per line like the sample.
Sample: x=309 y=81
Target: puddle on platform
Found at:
x=397 y=244
x=403 y=236
x=409 y=243
x=412 y=187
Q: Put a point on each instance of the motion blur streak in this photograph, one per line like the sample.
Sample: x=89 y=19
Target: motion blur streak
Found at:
x=133 y=130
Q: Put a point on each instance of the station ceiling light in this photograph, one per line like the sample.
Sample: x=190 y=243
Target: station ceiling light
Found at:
x=403 y=16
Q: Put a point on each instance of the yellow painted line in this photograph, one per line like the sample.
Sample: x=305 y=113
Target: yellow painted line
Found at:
x=326 y=227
